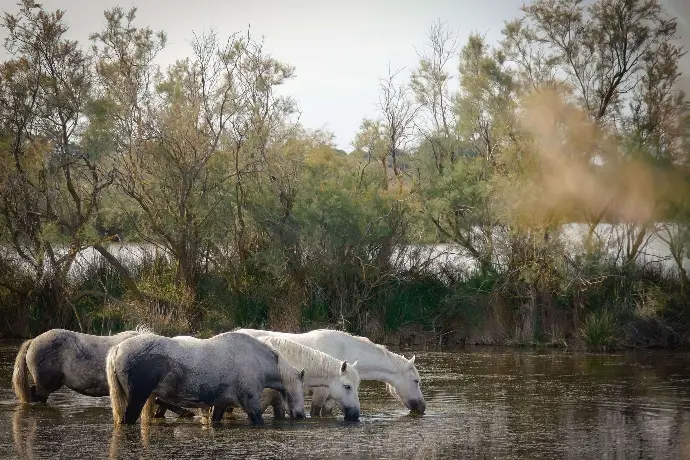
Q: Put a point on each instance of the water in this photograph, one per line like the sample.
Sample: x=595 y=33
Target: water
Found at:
x=481 y=403
x=615 y=240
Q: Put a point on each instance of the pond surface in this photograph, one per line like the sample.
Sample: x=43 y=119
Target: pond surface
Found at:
x=481 y=403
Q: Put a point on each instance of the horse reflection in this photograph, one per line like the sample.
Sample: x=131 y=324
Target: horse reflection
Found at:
x=24 y=433
x=129 y=441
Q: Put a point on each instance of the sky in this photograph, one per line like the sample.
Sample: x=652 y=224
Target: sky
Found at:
x=340 y=49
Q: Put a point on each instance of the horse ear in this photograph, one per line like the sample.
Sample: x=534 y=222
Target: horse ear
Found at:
x=301 y=375
x=411 y=361
x=354 y=364
x=343 y=367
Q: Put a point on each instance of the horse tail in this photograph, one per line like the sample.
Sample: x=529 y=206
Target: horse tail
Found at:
x=149 y=411
x=118 y=395
x=20 y=376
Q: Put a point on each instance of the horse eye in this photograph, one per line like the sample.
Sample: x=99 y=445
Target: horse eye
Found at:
x=416 y=382
x=347 y=387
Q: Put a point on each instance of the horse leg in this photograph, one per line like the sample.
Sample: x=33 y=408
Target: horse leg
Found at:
x=137 y=399
x=45 y=382
x=278 y=411
x=217 y=413
x=266 y=399
x=255 y=416
x=328 y=406
x=272 y=398
x=318 y=399
x=134 y=408
x=252 y=406
x=39 y=395
x=164 y=405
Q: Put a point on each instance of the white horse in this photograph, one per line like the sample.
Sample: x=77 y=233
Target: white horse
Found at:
x=374 y=362
x=228 y=369
x=339 y=378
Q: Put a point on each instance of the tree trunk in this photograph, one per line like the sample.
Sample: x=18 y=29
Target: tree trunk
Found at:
x=121 y=269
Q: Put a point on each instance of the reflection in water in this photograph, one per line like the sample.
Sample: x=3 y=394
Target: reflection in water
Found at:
x=482 y=403
x=129 y=442
x=24 y=432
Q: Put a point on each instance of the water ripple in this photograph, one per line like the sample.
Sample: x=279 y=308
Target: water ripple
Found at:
x=481 y=403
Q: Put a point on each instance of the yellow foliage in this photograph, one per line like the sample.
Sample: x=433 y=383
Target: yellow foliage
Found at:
x=568 y=163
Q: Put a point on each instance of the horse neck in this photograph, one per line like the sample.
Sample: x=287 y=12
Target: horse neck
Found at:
x=376 y=363
x=320 y=373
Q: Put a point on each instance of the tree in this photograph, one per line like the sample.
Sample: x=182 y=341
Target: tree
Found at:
x=609 y=51
x=51 y=185
x=486 y=101
x=395 y=124
x=458 y=196
x=430 y=83
x=124 y=72
x=189 y=139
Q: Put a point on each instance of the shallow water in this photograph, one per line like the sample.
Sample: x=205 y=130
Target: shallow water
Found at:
x=481 y=403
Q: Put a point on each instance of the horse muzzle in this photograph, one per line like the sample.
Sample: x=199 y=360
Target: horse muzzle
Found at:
x=351 y=414
x=417 y=406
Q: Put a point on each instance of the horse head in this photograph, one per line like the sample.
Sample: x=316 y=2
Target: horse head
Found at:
x=406 y=387
x=294 y=394
x=344 y=389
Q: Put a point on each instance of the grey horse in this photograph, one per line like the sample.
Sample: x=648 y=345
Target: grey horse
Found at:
x=60 y=357
x=229 y=369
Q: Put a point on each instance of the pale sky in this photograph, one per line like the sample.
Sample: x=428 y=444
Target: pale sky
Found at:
x=340 y=49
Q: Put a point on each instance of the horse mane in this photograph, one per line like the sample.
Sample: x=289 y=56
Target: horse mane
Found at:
x=138 y=330
x=143 y=329
x=315 y=362
x=288 y=373
x=398 y=360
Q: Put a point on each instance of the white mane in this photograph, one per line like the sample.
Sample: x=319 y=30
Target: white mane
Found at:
x=288 y=372
x=143 y=329
x=314 y=362
x=139 y=329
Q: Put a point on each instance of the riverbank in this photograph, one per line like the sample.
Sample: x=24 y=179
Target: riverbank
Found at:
x=606 y=306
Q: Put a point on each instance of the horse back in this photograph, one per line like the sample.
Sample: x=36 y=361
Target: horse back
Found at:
x=62 y=357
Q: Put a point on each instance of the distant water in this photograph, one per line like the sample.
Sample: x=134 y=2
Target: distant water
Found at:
x=616 y=240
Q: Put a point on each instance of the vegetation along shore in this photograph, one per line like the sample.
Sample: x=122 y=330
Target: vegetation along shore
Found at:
x=529 y=191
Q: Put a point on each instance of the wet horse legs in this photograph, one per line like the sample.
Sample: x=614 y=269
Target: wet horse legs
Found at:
x=162 y=406
x=252 y=406
x=318 y=400
x=217 y=413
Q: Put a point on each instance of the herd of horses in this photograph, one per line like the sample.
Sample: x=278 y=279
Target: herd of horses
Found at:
x=146 y=374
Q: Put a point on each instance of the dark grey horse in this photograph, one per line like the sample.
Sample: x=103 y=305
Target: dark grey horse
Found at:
x=60 y=357
x=229 y=369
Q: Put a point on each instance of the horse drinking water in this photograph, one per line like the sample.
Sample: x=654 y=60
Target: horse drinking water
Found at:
x=229 y=369
x=374 y=362
x=339 y=378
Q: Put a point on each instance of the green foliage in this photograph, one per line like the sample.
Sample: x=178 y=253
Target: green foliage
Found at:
x=488 y=150
x=599 y=329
